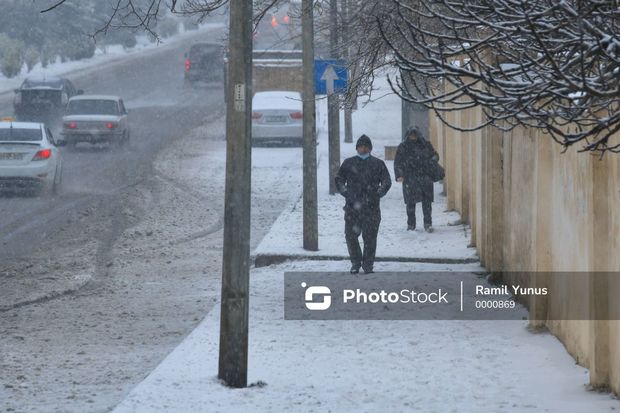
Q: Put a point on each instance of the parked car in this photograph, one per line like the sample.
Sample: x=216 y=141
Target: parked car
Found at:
x=277 y=118
x=29 y=157
x=43 y=99
x=204 y=62
x=96 y=119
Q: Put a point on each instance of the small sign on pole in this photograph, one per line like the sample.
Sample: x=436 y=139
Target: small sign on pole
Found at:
x=240 y=97
x=330 y=76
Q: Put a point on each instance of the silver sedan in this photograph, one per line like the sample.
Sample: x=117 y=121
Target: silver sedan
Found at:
x=277 y=118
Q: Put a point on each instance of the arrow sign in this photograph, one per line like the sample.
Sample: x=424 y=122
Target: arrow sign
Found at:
x=330 y=76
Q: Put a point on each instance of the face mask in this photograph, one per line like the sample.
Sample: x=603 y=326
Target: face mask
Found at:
x=364 y=156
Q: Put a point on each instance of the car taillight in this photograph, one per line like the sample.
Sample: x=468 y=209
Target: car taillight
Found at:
x=286 y=19
x=274 y=21
x=70 y=125
x=188 y=65
x=111 y=125
x=296 y=115
x=257 y=115
x=42 y=155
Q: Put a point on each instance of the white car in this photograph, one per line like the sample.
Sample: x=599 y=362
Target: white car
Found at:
x=95 y=119
x=29 y=157
x=277 y=117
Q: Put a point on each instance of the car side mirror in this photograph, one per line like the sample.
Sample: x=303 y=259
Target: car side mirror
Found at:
x=80 y=91
x=61 y=142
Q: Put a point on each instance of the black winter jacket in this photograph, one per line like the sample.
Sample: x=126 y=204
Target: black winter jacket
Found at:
x=412 y=162
x=363 y=182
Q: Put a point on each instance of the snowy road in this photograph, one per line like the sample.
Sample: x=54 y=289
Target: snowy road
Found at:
x=152 y=88
x=99 y=284
x=152 y=284
x=74 y=352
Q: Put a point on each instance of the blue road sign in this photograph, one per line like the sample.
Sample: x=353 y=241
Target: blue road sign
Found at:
x=330 y=75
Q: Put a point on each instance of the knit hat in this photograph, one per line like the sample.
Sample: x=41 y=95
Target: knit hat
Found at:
x=364 y=140
x=414 y=130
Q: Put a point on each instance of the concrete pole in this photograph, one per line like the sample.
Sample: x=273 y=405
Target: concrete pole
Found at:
x=333 y=104
x=348 y=123
x=348 y=108
x=310 y=212
x=333 y=122
x=233 y=358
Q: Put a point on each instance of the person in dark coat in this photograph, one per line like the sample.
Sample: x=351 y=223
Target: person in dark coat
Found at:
x=412 y=168
x=362 y=180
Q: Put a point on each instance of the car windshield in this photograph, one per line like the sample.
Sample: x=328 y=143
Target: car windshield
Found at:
x=92 y=107
x=203 y=49
x=23 y=135
x=53 y=84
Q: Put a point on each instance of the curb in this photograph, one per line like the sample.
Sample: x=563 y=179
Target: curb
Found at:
x=265 y=260
x=49 y=296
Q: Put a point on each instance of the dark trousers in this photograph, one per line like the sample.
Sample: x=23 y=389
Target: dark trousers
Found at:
x=366 y=225
x=427 y=210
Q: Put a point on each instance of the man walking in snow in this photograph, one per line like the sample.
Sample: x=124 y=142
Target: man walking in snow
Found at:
x=362 y=180
x=412 y=167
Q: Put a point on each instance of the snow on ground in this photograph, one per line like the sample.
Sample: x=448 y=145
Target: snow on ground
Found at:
x=102 y=55
x=366 y=366
x=154 y=286
x=275 y=179
x=369 y=366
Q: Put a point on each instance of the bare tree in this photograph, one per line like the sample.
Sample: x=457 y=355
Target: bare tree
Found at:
x=363 y=44
x=144 y=14
x=544 y=64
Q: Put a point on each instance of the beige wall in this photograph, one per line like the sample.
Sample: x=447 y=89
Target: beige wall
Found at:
x=614 y=285
x=274 y=77
x=533 y=208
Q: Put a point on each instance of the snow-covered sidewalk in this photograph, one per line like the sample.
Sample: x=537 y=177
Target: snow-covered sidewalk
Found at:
x=381 y=121
x=448 y=244
x=369 y=366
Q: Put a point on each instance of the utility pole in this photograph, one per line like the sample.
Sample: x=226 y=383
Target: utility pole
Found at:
x=233 y=360
x=348 y=105
x=310 y=212
x=333 y=104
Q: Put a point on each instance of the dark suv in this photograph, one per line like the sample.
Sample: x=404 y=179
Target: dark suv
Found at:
x=43 y=99
x=204 y=62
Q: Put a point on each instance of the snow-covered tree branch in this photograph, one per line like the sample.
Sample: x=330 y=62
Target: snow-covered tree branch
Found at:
x=544 y=64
